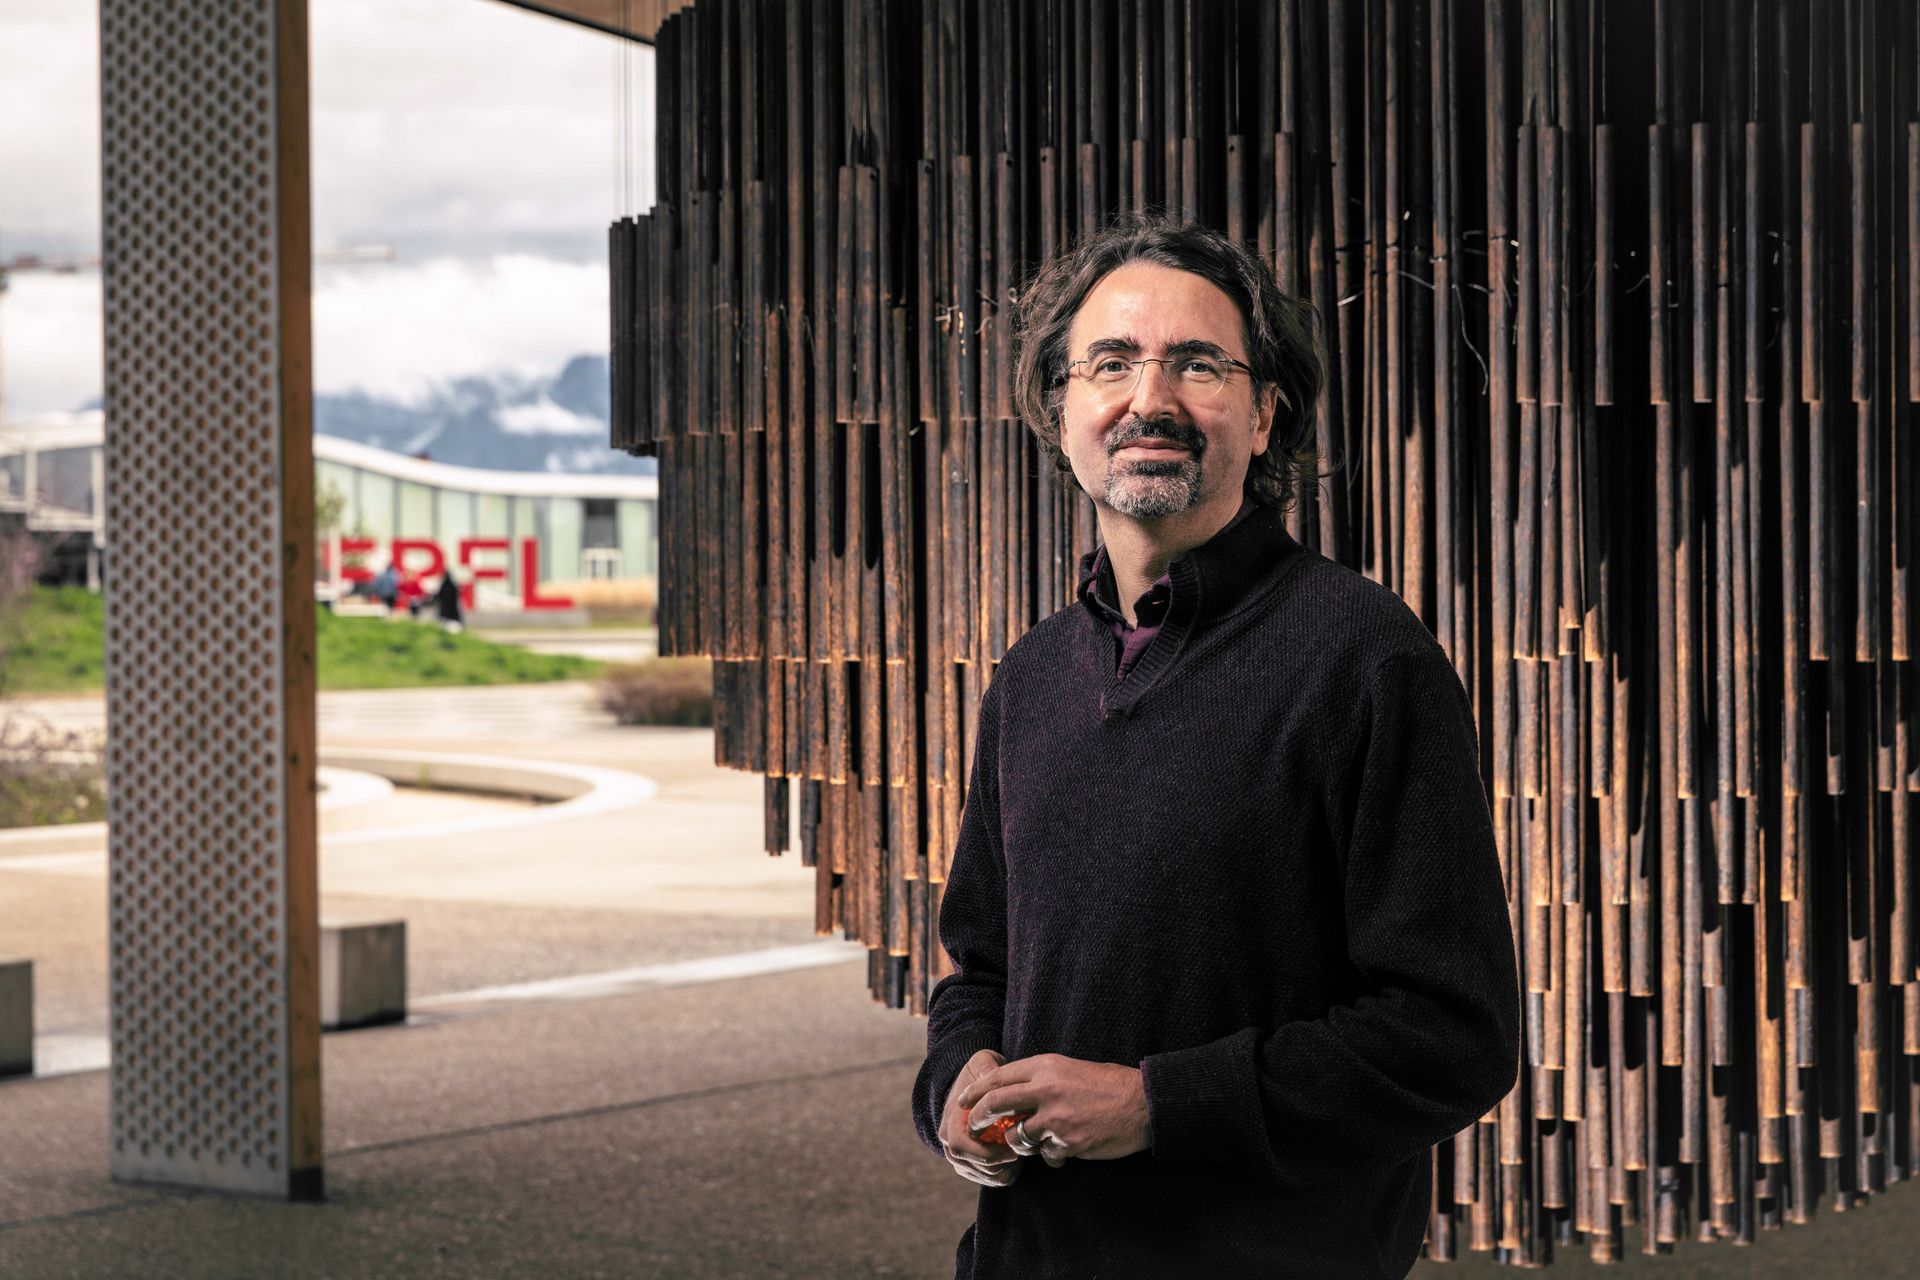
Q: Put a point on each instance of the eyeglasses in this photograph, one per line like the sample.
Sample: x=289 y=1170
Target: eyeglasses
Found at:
x=1200 y=375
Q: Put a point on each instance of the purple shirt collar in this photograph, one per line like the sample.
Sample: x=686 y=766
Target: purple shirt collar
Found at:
x=1099 y=593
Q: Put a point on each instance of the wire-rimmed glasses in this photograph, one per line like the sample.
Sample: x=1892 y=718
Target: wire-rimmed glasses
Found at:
x=1198 y=374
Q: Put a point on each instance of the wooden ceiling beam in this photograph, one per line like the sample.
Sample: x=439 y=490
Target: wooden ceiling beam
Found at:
x=634 y=19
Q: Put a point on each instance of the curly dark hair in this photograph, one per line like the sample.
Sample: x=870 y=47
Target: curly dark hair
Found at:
x=1281 y=331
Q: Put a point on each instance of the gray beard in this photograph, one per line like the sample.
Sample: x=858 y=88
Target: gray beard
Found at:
x=1150 y=490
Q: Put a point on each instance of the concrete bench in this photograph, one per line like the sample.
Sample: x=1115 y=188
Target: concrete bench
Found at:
x=16 y=1016
x=363 y=973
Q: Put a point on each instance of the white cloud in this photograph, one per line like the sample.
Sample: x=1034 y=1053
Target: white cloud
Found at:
x=396 y=331
x=392 y=331
x=50 y=343
x=50 y=122
x=447 y=119
x=583 y=458
x=544 y=417
x=440 y=120
x=455 y=129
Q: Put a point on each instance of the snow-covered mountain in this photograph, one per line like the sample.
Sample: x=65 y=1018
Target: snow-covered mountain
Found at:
x=502 y=422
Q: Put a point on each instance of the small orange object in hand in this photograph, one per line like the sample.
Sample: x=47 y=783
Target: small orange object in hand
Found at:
x=995 y=1134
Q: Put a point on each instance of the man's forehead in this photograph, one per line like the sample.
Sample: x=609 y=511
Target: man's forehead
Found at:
x=1145 y=305
x=1128 y=342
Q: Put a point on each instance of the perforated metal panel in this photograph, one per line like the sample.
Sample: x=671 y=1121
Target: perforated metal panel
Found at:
x=215 y=1081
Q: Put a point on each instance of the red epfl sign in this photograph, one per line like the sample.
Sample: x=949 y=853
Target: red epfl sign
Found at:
x=421 y=559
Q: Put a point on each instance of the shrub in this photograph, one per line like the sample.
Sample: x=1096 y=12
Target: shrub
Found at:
x=622 y=602
x=48 y=777
x=19 y=562
x=660 y=691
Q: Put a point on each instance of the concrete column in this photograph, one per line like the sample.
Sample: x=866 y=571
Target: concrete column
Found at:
x=213 y=896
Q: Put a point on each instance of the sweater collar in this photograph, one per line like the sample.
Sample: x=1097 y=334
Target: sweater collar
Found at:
x=1209 y=581
x=1218 y=571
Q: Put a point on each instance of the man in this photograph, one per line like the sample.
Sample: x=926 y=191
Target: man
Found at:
x=1225 y=911
x=386 y=586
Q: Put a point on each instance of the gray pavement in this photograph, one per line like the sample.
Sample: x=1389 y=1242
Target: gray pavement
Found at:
x=510 y=712
x=608 y=644
x=755 y=1126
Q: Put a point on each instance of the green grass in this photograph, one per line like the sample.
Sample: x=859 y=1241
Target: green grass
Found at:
x=57 y=643
x=374 y=653
x=60 y=648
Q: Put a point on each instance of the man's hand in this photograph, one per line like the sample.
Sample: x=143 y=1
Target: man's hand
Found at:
x=1093 y=1110
x=988 y=1165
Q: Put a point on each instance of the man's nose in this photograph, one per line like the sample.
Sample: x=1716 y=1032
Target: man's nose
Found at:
x=1153 y=393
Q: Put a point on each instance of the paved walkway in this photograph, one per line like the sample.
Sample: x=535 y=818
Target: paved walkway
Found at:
x=608 y=644
x=681 y=875
x=512 y=712
x=588 y=1088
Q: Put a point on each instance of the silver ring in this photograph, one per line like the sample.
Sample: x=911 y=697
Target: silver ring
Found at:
x=1024 y=1146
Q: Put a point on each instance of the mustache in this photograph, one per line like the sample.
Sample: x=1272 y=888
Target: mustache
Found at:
x=1136 y=429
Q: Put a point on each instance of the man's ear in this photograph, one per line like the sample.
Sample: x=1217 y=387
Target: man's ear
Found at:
x=1264 y=413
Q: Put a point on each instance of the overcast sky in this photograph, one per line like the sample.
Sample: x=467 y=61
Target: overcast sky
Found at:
x=477 y=139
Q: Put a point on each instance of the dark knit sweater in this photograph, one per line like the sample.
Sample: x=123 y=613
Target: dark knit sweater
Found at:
x=1260 y=867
